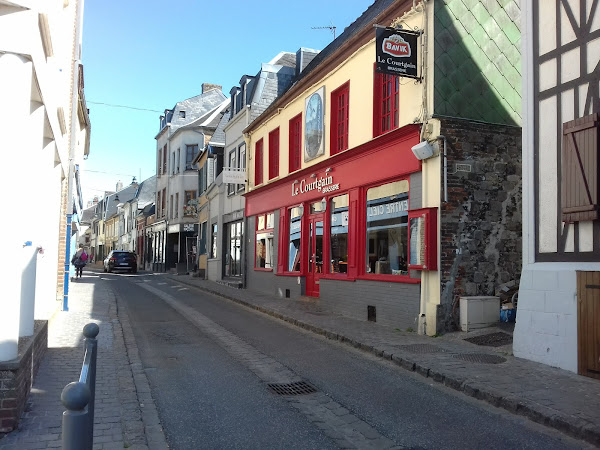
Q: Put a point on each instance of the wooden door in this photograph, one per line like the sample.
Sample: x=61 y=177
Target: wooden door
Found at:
x=588 y=323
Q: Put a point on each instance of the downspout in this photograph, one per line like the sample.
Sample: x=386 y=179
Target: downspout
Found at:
x=72 y=144
x=445 y=169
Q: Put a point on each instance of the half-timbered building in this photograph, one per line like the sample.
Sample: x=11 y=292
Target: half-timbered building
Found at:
x=558 y=318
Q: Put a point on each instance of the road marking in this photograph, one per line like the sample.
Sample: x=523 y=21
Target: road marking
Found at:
x=337 y=422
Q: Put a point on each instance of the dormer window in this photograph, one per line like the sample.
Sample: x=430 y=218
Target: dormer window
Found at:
x=182 y=114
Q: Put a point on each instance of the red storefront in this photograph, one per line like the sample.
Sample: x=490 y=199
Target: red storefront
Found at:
x=341 y=230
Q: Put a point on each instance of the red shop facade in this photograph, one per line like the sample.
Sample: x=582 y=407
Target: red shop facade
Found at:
x=349 y=231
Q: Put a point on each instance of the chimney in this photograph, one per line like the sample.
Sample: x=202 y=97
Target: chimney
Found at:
x=209 y=87
x=303 y=58
x=119 y=186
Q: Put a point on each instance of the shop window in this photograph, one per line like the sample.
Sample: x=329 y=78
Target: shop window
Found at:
x=295 y=142
x=213 y=240
x=340 y=106
x=338 y=234
x=387 y=229
x=385 y=103
x=295 y=232
x=274 y=154
x=258 y=163
x=264 y=241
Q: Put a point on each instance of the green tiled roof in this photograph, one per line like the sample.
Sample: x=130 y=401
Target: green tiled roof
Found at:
x=477 y=72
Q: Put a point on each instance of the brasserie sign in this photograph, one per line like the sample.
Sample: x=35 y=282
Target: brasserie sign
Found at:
x=396 y=52
x=323 y=184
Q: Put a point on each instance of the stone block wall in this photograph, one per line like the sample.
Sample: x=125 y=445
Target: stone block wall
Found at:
x=481 y=219
x=16 y=376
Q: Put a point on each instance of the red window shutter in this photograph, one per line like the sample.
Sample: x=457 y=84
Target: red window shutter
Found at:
x=258 y=163
x=580 y=190
x=295 y=142
x=274 y=154
x=340 y=103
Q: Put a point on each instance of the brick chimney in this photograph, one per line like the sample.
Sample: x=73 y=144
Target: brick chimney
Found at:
x=209 y=87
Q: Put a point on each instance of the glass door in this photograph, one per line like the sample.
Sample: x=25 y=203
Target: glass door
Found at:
x=233 y=258
x=315 y=254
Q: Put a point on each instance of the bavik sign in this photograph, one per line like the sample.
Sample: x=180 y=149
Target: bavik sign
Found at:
x=396 y=51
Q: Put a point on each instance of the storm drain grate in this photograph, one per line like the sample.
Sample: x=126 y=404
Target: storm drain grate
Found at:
x=422 y=348
x=297 y=388
x=482 y=358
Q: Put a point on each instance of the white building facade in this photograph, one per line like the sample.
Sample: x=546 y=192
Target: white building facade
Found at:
x=558 y=314
x=45 y=132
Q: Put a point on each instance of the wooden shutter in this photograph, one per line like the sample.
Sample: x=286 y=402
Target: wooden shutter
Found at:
x=580 y=167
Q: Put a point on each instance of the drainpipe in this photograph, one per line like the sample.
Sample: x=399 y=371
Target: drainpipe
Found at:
x=72 y=144
x=445 y=168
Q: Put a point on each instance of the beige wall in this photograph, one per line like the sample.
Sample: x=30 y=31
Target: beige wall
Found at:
x=359 y=70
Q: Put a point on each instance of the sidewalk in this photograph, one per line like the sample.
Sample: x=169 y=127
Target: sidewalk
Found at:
x=125 y=415
x=553 y=397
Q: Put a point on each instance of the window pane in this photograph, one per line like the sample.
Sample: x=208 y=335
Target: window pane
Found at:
x=270 y=220
x=264 y=250
x=339 y=234
x=261 y=223
x=294 y=240
x=317 y=207
x=387 y=231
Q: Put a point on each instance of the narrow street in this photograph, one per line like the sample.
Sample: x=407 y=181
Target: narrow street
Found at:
x=214 y=368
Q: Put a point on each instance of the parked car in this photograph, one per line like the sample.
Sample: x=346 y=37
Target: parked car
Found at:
x=120 y=260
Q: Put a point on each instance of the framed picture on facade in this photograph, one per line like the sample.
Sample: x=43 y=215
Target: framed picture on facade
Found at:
x=314 y=125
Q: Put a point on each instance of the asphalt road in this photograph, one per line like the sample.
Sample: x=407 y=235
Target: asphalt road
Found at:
x=213 y=366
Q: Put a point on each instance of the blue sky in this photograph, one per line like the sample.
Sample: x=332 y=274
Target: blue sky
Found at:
x=150 y=54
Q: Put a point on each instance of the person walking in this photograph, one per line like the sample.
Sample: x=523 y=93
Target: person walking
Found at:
x=79 y=260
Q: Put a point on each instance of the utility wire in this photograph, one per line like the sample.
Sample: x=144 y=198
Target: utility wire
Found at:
x=110 y=173
x=123 y=106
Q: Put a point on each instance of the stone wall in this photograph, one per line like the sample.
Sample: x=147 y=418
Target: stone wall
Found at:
x=481 y=219
x=16 y=376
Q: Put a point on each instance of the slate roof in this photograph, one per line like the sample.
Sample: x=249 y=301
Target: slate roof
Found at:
x=146 y=191
x=218 y=137
x=194 y=108
x=286 y=59
x=272 y=81
x=87 y=215
x=125 y=195
x=212 y=118
x=148 y=209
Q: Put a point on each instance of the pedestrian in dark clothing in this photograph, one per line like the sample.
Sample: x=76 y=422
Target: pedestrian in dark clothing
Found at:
x=79 y=260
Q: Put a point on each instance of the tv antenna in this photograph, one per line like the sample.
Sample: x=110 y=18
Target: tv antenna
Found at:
x=331 y=28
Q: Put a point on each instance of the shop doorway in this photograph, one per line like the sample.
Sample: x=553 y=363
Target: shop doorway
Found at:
x=233 y=245
x=315 y=254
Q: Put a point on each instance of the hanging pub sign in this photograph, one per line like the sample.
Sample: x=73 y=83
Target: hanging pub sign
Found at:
x=396 y=51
